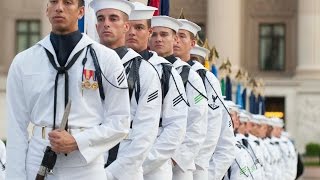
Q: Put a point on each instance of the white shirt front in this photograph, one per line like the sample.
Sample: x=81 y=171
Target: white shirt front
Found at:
x=30 y=91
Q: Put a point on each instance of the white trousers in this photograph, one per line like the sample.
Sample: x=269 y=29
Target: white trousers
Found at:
x=178 y=174
x=200 y=174
x=72 y=166
x=164 y=172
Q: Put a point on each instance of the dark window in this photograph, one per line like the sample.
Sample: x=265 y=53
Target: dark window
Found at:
x=275 y=107
x=272 y=47
x=27 y=34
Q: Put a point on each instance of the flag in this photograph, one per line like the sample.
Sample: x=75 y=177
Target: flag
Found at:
x=228 y=89
x=239 y=100
x=261 y=105
x=155 y=3
x=244 y=98
x=223 y=87
x=81 y=24
x=214 y=70
x=162 y=5
x=252 y=103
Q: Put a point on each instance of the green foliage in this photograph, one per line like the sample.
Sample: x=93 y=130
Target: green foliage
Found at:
x=312 y=149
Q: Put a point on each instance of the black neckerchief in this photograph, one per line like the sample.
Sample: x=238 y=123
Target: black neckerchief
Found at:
x=121 y=51
x=171 y=58
x=190 y=62
x=146 y=54
x=64 y=44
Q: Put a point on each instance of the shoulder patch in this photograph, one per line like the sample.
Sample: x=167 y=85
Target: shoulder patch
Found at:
x=153 y=96
x=198 y=98
x=121 y=78
x=177 y=100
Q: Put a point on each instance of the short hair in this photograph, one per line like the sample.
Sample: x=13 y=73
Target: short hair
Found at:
x=149 y=23
x=192 y=36
x=81 y=3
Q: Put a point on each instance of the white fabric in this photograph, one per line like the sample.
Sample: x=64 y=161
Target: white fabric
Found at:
x=213 y=90
x=197 y=120
x=3 y=160
x=165 y=21
x=145 y=121
x=179 y=174
x=174 y=120
x=290 y=158
x=224 y=153
x=30 y=89
x=161 y=173
x=200 y=51
x=141 y=11
x=240 y=169
x=121 y=5
x=257 y=153
x=189 y=26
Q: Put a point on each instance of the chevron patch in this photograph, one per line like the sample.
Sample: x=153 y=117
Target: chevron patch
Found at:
x=198 y=98
x=177 y=100
x=153 y=96
x=121 y=78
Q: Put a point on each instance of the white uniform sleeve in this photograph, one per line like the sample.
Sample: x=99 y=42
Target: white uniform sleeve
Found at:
x=196 y=123
x=17 y=124
x=224 y=153
x=144 y=127
x=174 y=120
x=95 y=141
x=214 y=121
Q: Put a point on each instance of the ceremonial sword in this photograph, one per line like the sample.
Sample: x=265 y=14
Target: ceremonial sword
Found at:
x=50 y=157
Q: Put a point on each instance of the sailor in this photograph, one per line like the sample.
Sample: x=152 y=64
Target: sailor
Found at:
x=65 y=65
x=125 y=160
x=215 y=100
x=162 y=41
x=240 y=168
x=158 y=164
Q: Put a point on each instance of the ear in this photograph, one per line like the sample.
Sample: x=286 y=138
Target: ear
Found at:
x=150 y=32
x=126 y=26
x=81 y=12
x=193 y=43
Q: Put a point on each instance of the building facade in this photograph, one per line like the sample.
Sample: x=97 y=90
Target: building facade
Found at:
x=277 y=40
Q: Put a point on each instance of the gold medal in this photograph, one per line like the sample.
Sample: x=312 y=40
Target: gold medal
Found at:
x=86 y=84
x=94 y=85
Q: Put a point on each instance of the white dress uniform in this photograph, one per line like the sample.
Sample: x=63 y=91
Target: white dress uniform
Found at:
x=224 y=153
x=267 y=160
x=145 y=117
x=256 y=151
x=275 y=158
x=213 y=90
x=95 y=124
x=290 y=156
x=279 y=165
x=2 y=160
x=196 y=124
x=158 y=164
x=240 y=168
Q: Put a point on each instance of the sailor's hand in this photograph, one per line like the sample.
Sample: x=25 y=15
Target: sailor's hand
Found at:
x=62 y=141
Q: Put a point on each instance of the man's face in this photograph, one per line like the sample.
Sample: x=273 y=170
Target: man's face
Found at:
x=138 y=35
x=112 y=25
x=242 y=128
x=183 y=44
x=63 y=15
x=263 y=130
x=162 y=40
x=235 y=119
x=249 y=126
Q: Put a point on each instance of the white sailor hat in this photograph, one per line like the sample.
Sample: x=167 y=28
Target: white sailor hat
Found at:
x=121 y=5
x=200 y=51
x=256 y=118
x=141 y=11
x=165 y=21
x=232 y=106
x=277 y=122
x=244 y=116
x=189 y=26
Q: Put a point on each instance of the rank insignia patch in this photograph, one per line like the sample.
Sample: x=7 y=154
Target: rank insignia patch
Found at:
x=152 y=96
x=177 y=100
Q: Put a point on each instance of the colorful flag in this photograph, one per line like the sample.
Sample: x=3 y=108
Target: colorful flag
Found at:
x=164 y=7
x=228 y=89
x=214 y=70
x=155 y=3
x=244 y=98
x=239 y=96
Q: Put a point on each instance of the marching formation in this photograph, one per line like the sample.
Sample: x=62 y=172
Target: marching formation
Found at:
x=144 y=104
